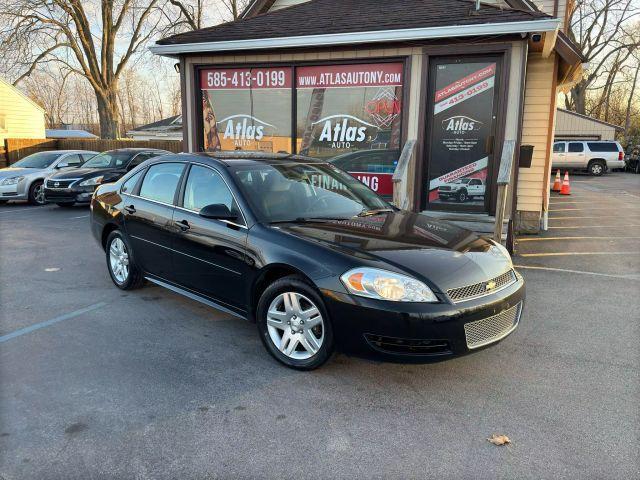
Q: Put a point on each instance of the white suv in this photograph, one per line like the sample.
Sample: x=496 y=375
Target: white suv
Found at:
x=595 y=156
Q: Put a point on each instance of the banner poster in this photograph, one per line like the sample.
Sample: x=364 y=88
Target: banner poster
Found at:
x=350 y=115
x=462 y=126
x=238 y=108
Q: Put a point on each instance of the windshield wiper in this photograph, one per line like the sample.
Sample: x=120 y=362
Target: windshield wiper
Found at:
x=376 y=211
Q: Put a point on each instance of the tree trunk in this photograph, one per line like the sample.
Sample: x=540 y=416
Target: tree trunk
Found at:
x=579 y=94
x=108 y=114
x=627 y=120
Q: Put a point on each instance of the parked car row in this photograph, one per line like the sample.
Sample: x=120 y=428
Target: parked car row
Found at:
x=67 y=177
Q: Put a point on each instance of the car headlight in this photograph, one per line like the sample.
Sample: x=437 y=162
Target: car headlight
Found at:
x=12 y=180
x=92 y=181
x=501 y=249
x=384 y=285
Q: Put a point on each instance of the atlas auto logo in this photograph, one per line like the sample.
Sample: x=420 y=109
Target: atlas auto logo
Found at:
x=459 y=124
x=342 y=130
x=243 y=129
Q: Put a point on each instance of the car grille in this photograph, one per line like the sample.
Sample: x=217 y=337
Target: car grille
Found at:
x=51 y=183
x=491 y=329
x=480 y=289
x=442 y=189
x=408 y=346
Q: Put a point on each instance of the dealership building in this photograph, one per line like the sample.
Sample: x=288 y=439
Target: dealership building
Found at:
x=459 y=86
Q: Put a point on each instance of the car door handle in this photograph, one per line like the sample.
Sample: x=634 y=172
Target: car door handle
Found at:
x=130 y=209
x=183 y=224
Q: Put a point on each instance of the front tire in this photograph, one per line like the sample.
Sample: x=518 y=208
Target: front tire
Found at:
x=36 y=193
x=294 y=325
x=122 y=268
x=462 y=196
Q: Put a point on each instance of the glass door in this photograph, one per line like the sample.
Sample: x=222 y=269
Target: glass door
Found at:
x=461 y=129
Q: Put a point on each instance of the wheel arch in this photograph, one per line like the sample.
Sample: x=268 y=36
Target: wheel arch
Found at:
x=106 y=231
x=266 y=276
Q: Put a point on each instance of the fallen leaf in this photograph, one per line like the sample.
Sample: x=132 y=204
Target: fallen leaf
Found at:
x=499 y=439
x=51 y=269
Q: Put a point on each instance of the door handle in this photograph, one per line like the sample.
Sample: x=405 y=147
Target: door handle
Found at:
x=130 y=209
x=183 y=225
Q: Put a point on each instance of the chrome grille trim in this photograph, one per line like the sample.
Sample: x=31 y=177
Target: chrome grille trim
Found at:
x=65 y=183
x=491 y=329
x=477 y=290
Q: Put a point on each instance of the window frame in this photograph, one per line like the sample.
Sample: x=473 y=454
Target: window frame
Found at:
x=197 y=103
x=564 y=147
x=179 y=200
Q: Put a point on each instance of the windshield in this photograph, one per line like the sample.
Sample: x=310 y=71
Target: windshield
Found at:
x=37 y=160
x=297 y=191
x=463 y=180
x=108 y=160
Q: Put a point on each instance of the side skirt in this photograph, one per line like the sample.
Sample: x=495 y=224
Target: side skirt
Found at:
x=194 y=296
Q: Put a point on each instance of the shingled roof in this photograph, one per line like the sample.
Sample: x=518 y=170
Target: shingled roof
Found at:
x=326 y=17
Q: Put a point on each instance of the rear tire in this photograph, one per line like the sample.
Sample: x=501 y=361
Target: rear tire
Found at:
x=597 y=168
x=65 y=204
x=120 y=262
x=289 y=304
x=36 y=193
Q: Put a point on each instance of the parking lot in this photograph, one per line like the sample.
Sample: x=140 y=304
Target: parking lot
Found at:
x=100 y=383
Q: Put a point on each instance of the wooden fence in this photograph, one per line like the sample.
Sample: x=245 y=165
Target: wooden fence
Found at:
x=17 y=148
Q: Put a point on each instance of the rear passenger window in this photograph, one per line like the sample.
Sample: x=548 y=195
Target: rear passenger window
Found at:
x=73 y=160
x=558 y=147
x=576 y=147
x=161 y=181
x=602 y=146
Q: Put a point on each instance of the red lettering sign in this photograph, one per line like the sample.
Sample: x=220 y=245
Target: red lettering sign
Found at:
x=381 y=183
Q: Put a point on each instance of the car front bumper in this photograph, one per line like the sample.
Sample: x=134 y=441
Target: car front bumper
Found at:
x=73 y=194
x=424 y=331
x=17 y=191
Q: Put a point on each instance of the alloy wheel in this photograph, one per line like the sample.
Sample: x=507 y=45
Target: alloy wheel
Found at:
x=38 y=194
x=295 y=325
x=596 y=169
x=119 y=260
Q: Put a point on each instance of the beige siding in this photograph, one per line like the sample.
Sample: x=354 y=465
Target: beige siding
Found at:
x=569 y=125
x=539 y=110
x=19 y=116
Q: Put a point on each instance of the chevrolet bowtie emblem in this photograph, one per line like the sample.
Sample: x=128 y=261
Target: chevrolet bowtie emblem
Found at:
x=57 y=184
x=490 y=285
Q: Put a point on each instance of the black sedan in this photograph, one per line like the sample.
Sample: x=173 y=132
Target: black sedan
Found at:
x=310 y=254
x=77 y=186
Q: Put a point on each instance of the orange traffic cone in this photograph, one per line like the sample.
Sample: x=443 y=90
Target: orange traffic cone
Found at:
x=566 y=188
x=557 y=184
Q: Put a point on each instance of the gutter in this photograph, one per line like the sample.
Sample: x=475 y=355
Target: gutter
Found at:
x=350 y=38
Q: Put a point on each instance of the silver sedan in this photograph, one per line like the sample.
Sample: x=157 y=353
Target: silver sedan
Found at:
x=24 y=179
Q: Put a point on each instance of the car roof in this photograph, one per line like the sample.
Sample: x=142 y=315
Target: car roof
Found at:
x=136 y=149
x=247 y=157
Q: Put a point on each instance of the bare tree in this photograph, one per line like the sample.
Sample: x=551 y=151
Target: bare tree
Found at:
x=604 y=30
x=193 y=12
x=94 y=39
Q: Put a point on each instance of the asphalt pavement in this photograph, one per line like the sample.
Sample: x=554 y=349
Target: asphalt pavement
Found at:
x=100 y=383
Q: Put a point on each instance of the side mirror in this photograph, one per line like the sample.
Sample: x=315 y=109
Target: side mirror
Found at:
x=217 y=211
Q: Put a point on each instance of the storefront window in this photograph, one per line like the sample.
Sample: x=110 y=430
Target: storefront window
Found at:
x=247 y=109
x=350 y=115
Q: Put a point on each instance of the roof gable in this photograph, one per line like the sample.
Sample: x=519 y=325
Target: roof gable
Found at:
x=21 y=94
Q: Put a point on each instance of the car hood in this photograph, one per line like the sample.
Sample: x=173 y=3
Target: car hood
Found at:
x=443 y=254
x=80 y=173
x=15 y=172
